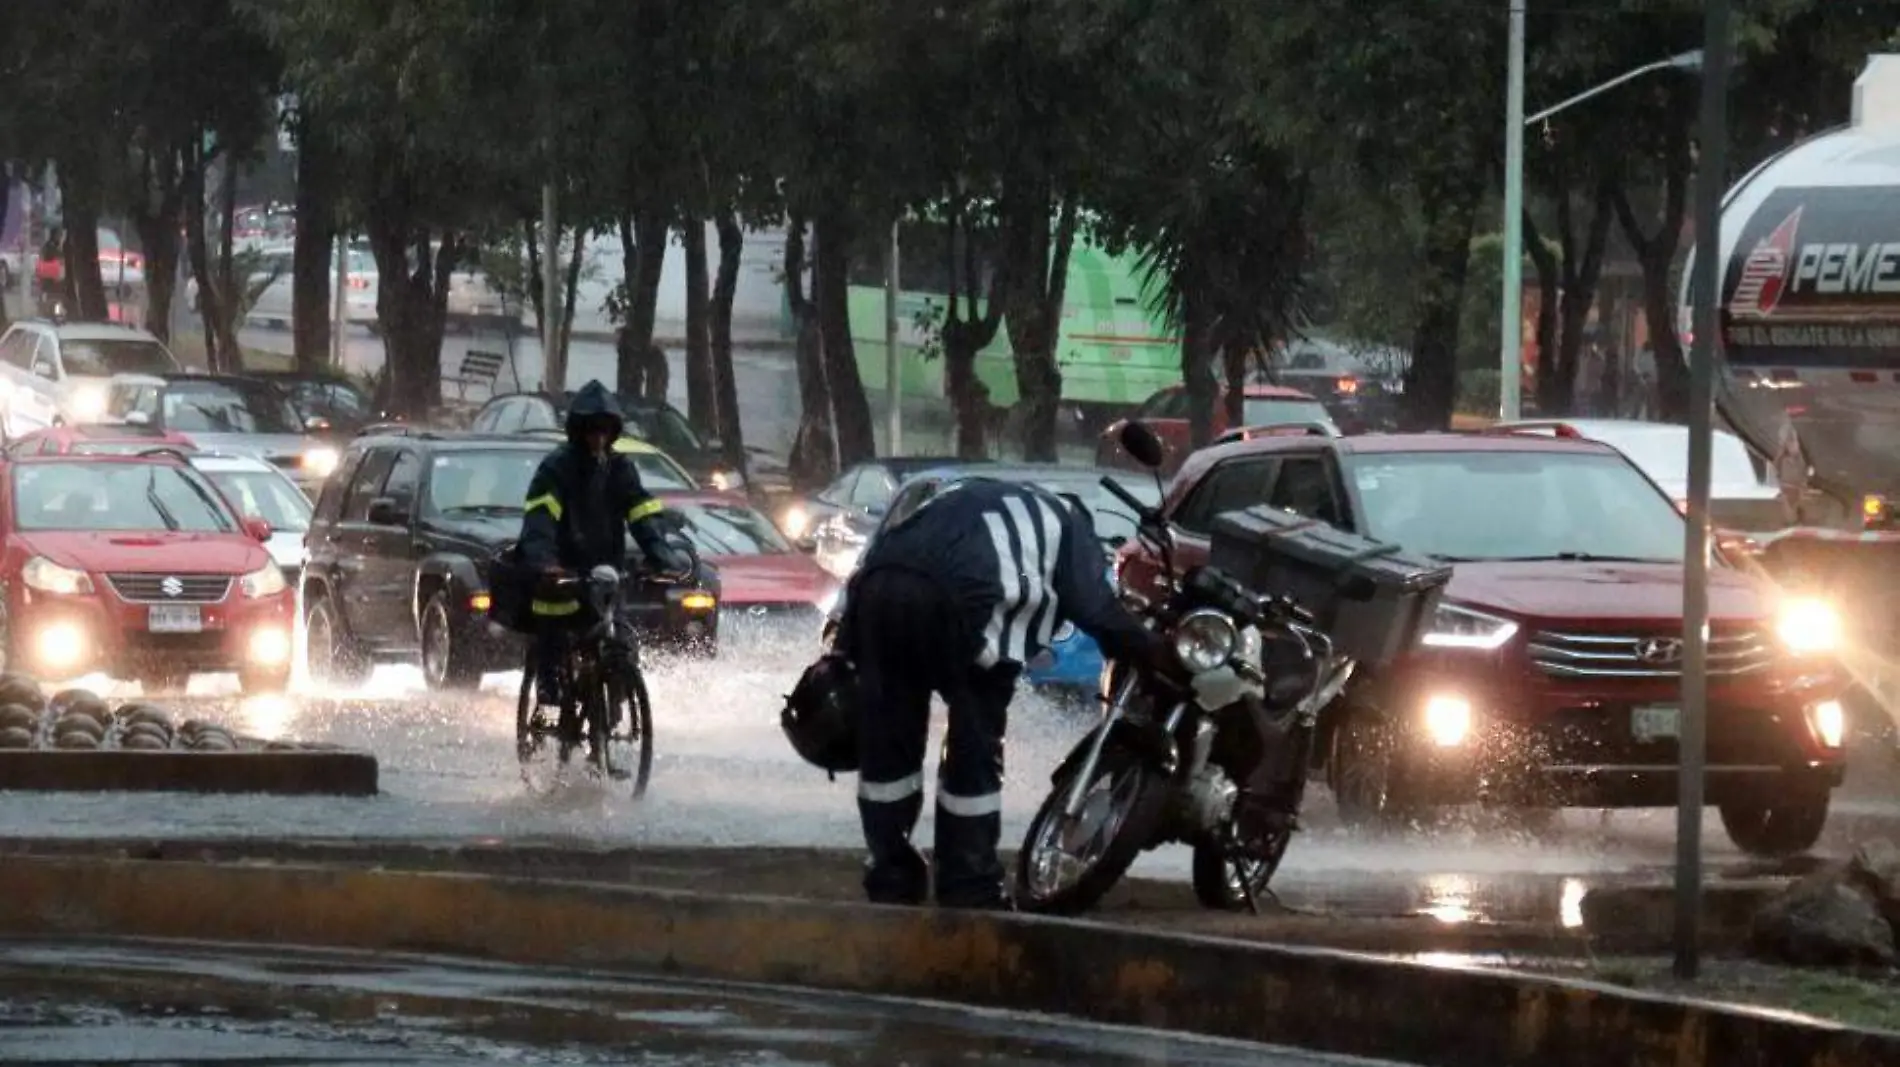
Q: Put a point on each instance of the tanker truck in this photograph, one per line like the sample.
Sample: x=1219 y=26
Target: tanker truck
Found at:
x=1808 y=360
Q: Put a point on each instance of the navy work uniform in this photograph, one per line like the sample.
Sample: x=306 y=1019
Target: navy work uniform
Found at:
x=954 y=599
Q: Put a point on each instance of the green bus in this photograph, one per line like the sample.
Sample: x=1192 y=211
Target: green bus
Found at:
x=1114 y=353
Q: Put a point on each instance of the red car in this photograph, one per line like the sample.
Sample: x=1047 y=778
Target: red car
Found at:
x=1166 y=413
x=137 y=567
x=1552 y=673
x=96 y=439
x=761 y=575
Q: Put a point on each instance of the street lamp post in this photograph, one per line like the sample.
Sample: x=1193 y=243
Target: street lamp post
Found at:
x=1511 y=335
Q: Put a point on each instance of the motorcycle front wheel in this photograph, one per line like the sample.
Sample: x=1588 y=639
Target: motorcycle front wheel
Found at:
x=1067 y=866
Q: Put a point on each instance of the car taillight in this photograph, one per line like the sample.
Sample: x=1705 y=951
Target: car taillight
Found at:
x=357 y=281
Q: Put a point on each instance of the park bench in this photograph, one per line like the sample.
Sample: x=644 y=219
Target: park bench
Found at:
x=478 y=368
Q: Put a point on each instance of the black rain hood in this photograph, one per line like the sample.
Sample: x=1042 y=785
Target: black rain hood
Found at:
x=593 y=401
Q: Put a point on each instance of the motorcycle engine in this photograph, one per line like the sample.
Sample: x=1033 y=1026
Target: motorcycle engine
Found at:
x=1210 y=798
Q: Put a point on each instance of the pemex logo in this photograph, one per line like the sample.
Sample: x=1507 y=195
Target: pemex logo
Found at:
x=1765 y=272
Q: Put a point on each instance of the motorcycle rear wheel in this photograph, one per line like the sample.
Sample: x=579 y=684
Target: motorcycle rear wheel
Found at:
x=1122 y=807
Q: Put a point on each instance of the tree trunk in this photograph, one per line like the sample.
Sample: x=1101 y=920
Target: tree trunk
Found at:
x=1431 y=383
x=411 y=304
x=813 y=459
x=643 y=256
x=231 y=288
x=79 y=210
x=313 y=261
x=157 y=213
x=701 y=405
x=1581 y=273
x=1233 y=354
x=850 y=409
x=725 y=379
x=1197 y=364
x=1548 y=289
x=26 y=261
x=1039 y=274
x=1656 y=252
x=570 y=296
x=968 y=329
x=198 y=248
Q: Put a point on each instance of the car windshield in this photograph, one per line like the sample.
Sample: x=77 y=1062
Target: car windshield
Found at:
x=228 y=407
x=731 y=530
x=93 y=358
x=115 y=496
x=658 y=472
x=1269 y=411
x=1664 y=456
x=665 y=429
x=482 y=482
x=1113 y=521
x=265 y=495
x=1516 y=505
x=120 y=448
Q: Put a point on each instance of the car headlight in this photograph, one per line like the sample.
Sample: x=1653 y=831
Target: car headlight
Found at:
x=1447 y=720
x=1456 y=627
x=1829 y=720
x=267 y=580
x=89 y=403
x=795 y=521
x=1809 y=627
x=319 y=462
x=48 y=577
x=726 y=481
x=1203 y=640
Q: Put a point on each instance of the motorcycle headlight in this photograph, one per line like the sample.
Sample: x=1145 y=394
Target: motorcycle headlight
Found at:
x=1204 y=640
x=48 y=577
x=795 y=522
x=1809 y=627
x=320 y=461
x=267 y=580
x=1456 y=627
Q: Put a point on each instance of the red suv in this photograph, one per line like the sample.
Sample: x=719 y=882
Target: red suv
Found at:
x=135 y=566
x=1166 y=413
x=1552 y=673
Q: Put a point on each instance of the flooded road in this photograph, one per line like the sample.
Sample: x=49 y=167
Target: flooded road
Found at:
x=725 y=776
x=104 y=1003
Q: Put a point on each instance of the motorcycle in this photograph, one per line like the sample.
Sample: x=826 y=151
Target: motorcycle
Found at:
x=1216 y=758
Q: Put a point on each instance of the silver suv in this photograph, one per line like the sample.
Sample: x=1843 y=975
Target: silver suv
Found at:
x=53 y=373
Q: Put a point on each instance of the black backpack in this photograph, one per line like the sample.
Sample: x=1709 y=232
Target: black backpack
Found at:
x=511 y=585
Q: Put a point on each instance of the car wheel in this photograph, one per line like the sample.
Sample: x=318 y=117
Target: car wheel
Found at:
x=1360 y=772
x=446 y=663
x=1777 y=828
x=333 y=655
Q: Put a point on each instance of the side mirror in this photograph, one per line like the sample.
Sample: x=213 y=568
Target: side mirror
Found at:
x=136 y=418
x=258 y=529
x=44 y=368
x=1141 y=443
x=316 y=424
x=382 y=512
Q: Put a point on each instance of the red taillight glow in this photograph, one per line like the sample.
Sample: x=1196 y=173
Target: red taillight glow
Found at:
x=357 y=281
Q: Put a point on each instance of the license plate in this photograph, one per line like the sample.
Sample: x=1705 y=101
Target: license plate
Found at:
x=174 y=619
x=1655 y=722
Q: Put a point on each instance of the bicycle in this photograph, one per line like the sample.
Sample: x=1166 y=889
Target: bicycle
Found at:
x=609 y=705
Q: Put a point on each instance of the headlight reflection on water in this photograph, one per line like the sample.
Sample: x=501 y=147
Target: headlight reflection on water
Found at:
x=268 y=716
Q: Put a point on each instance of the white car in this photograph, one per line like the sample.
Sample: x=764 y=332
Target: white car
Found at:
x=1742 y=493
x=260 y=491
x=274 y=299
x=53 y=373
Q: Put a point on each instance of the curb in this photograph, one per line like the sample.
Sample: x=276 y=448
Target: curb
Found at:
x=347 y=774
x=1310 y=998
x=1621 y=918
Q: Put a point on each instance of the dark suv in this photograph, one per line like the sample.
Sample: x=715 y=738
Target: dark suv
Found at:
x=396 y=547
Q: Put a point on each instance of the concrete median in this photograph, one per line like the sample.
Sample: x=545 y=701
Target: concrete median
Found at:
x=284 y=773
x=1313 y=998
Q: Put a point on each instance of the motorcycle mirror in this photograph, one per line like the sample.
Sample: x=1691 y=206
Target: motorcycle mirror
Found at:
x=1141 y=443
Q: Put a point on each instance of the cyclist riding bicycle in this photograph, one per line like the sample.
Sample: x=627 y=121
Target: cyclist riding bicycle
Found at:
x=583 y=501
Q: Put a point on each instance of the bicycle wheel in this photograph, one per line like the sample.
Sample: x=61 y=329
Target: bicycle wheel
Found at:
x=537 y=735
x=631 y=742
